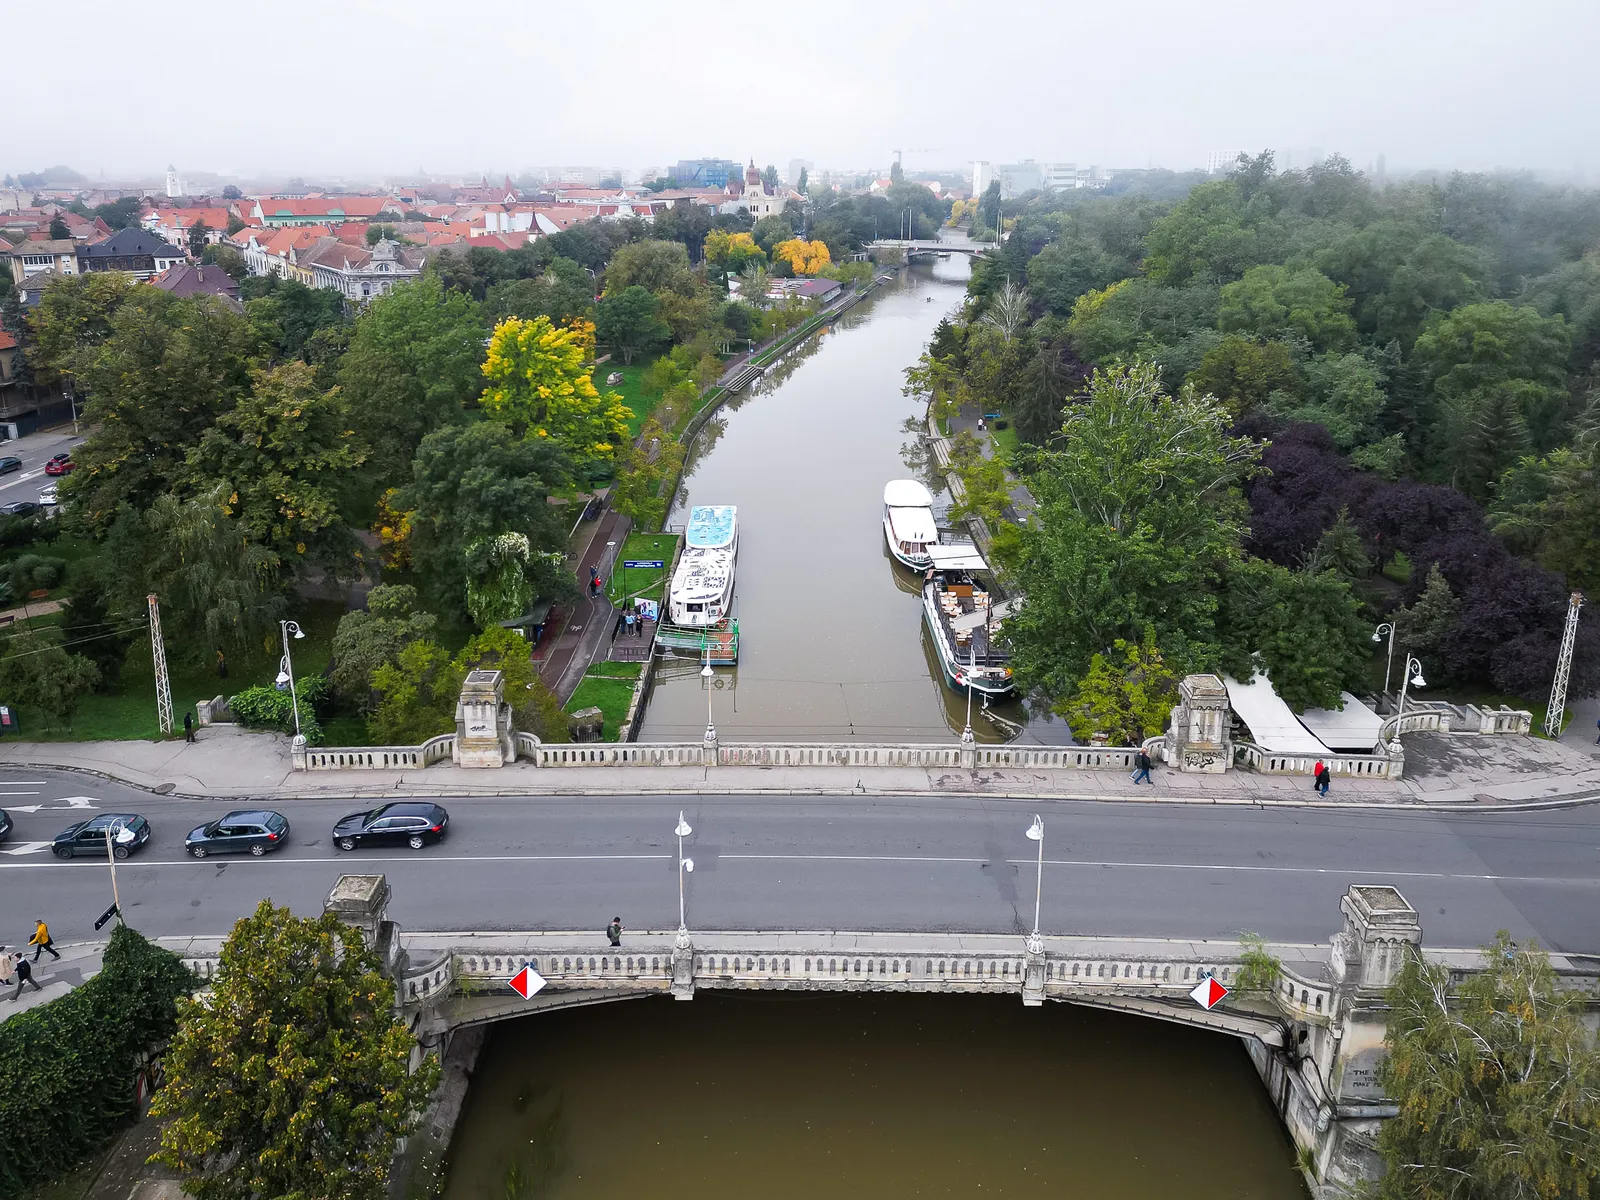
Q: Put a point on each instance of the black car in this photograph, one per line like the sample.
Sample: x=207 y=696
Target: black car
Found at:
x=5 y=824
x=89 y=837
x=9 y=464
x=412 y=823
x=19 y=508
x=245 y=831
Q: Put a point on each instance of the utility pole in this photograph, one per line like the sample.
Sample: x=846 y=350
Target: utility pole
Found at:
x=1558 y=689
x=158 y=653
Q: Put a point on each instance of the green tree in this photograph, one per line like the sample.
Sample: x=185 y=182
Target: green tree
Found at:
x=989 y=206
x=1215 y=234
x=1271 y=301
x=1127 y=694
x=1420 y=627
x=986 y=489
x=1498 y=1085
x=804 y=186
x=769 y=178
x=90 y=626
x=1343 y=392
x=563 y=293
x=1065 y=270
x=1549 y=509
x=626 y=321
x=197 y=238
x=771 y=230
x=37 y=670
x=1137 y=512
x=1041 y=394
x=229 y=259
x=235 y=225
x=120 y=214
x=369 y=638
x=281 y=453
x=656 y=266
x=288 y=314
x=1247 y=374
x=293 y=1078
x=645 y=472
x=500 y=584
x=72 y=319
x=58 y=229
x=412 y=366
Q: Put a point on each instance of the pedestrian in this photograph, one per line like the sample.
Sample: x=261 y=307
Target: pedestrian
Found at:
x=1316 y=776
x=222 y=664
x=614 y=931
x=980 y=425
x=5 y=967
x=1322 y=779
x=41 y=940
x=188 y=727
x=24 y=975
x=628 y=619
x=594 y=582
x=1142 y=775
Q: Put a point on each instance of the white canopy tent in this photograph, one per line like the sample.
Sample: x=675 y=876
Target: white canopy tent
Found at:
x=1273 y=725
x=957 y=558
x=1353 y=729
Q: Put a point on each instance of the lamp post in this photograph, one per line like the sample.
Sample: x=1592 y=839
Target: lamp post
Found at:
x=1377 y=636
x=706 y=674
x=1036 y=833
x=685 y=867
x=1413 y=678
x=286 y=671
x=122 y=835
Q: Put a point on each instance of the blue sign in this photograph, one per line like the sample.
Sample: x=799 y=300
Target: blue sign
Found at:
x=643 y=562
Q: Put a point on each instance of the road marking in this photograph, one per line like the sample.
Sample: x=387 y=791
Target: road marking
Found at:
x=22 y=782
x=73 y=803
x=26 y=848
x=414 y=856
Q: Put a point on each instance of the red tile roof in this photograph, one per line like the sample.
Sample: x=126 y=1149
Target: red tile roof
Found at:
x=324 y=206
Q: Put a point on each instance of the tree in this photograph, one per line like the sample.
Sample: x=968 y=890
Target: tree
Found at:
x=1498 y=1085
x=987 y=490
x=732 y=253
x=229 y=259
x=229 y=192
x=412 y=366
x=282 y=453
x=477 y=481
x=769 y=178
x=564 y=293
x=626 y=321
x=1137 y=512
x=120 y=214
x=40 y=672
x=1127 y=694
x=293 y=1077
x=804 y=185
x=419 y=693
x=1420 y=627
x=989 y=205
x=654 y=265
x=235 y=224
x=1248 y=373
x=1065 y=270
x=58 y=229
x=369 y=638
x=642 y=478
x=1041 y=394
x=500 y=586
x=541 y=383
x=806 y=258
x=289 y=314
x=1271 y=301
x=1549 y=509
x=88 y=624
x=197 y=238
x=73 y=318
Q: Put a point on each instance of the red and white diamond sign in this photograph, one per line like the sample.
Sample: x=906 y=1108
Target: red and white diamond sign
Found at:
x=1208 y=993
x=526 y=982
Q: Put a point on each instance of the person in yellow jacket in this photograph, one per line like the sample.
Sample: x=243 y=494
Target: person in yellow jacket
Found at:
x=41 y=940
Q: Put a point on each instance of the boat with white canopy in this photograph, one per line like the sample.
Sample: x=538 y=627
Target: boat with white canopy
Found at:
x=702 y=587
x=964 y=620
x=908 y=524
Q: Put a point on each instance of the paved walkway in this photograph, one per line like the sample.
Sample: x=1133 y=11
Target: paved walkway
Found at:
x=78 y=962
x=229 y=762
x=568 y=651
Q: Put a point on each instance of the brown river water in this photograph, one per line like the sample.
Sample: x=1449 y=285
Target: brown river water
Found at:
x=801 y=1095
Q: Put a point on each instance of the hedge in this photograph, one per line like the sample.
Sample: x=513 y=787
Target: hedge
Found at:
x=69 y=1066
x=267 y=708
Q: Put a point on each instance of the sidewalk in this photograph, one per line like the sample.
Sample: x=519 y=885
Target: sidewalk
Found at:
x=564 y=659
x=230 y=763
x=79 y=960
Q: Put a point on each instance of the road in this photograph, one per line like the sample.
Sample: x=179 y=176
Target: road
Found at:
x=848 y=862
x=34 y=450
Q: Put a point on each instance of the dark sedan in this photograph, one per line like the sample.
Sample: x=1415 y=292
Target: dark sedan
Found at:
x=19 y=508
x=412 y=823
x=5 y=824
x=9 y=464
x=245 y=831
x=89 y=837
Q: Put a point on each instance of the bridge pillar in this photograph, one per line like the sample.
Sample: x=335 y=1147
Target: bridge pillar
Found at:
x=683 y=966
x=1033 y=972
x=363 y=901
x=969 y=750
x=483 y=722
x=1198 y=739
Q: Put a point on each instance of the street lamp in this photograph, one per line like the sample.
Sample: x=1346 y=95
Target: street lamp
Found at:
x=1412 y=678
x=120 y=834
x=685 y=866
x=1377 y=636
x=286 y=669
x=706 y=674
x=1036 y=833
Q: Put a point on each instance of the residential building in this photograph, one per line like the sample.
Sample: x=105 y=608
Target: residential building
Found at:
x=195 y=279
x=277 y=251
x=174 y=224
x=32 y=257
x=821 y=290
x=982 y=177
x=137 y=251
x=1222 y=162
x=277 y=211
x=31 y=289
x=360 y=273
x=706 y=172
x=1017 y=178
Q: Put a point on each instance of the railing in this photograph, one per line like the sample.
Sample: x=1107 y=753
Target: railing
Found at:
x=657 y=754
x=1362 y=766
x=1087 y=758
x=379 y=758
x=417 y=985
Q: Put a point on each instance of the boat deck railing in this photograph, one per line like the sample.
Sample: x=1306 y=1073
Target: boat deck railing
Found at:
x=719 y=642
x=980 y=651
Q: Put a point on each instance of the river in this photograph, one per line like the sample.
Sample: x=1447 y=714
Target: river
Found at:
x=832 y=644
x=801 y=1095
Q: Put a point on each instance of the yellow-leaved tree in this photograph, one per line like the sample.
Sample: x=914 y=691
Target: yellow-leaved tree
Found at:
x=541 y=383
x=807 y=258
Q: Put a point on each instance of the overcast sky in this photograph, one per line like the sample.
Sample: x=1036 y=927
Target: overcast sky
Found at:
x=367 y=88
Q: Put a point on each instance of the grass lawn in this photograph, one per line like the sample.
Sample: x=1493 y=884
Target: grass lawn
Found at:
x=130 y=712
x=633 y=395
x=646 y=583
x=607 y=686
x=1005 y=444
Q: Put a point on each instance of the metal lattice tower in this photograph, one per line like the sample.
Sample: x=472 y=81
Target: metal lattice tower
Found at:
x=158 y=652
x=1558 y=689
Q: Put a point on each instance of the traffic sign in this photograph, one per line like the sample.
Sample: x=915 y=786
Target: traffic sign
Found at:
x=644 y=562
x=526 y=982
x=105 y=916
x=1208 y=993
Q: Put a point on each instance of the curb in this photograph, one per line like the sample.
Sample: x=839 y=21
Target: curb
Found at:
x=1576 y=800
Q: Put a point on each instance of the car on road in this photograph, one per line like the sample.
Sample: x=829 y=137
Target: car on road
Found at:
x=49 y=496
x=5 y=824
x=412 y=823
x=243 y=831
x=89 y=837
x=19 y=508
x=61 y=464
x=9 y=464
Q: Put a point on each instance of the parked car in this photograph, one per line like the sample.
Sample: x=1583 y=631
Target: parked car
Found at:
x=48 y=496
x=20 y=508
x=5 y=824
x=61 y=464
x=89 y=837
x=9 y=464
x=412 y=823
x=244 y=831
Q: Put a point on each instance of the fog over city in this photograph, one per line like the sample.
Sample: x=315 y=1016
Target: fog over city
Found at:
x=357 y=88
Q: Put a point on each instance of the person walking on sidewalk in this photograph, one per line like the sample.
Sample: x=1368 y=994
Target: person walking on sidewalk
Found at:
x=1142 y=775
x=41 y=940
x=5 y=967
x=188 y=727
x=24 y=975
x=1323 y=777
x=614 y=931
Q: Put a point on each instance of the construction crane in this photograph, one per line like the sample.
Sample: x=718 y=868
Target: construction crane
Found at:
x=1558 y=689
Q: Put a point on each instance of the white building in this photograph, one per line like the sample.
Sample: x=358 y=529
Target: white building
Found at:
x=359 y=273
x=174 y=184
x=1222 y=162
x=982 y=176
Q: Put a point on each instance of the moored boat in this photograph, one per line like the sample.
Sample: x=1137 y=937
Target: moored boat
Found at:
x=701 y=593
x=908 y=524
x=965 y=622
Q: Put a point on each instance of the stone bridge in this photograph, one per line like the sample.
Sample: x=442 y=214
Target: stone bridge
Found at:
x=914 y=248
x=1315 y=1033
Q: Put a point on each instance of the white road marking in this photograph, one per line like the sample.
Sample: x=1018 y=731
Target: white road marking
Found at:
x=26 y=848
x=78 y=803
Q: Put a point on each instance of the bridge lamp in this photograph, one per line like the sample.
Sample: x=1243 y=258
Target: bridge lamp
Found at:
x=1377 y=636
x=706 y=673
x=1413 y=678
x=1036 y=833
x=683 y=829
x=286 y=670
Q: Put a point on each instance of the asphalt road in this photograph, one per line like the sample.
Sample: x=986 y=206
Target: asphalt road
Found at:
x=850 y=862
x=34 y=450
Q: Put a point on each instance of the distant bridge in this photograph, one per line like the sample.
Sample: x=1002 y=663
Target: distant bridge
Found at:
x=914 y=248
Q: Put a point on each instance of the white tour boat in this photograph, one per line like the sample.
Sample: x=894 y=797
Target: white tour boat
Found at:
x=702 y=587
x=908 y=524
x=965 y=623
